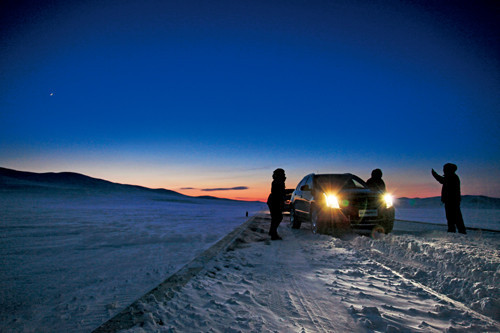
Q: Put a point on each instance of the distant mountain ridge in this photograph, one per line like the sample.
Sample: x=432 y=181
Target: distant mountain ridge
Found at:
x=22 y=180
x=31 y=181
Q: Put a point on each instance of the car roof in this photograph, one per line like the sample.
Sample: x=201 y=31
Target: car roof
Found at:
x=344 y=176
x=333 y=174
x=339 y=176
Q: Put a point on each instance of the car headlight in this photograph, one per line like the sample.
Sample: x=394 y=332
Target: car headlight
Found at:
x=388 y=200
x=331 y=201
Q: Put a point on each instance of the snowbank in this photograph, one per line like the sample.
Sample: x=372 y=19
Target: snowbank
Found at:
x=464 y=267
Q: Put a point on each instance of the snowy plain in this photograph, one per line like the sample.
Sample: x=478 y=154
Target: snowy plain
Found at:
x=69 y=263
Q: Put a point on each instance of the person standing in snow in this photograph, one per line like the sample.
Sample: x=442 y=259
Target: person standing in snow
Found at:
x=451 y=197
x=276 y=202
x=375 y=183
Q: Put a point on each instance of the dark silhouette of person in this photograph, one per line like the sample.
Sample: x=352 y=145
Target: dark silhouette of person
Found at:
x=375 y=183
x=451 y=197
x=276 y=202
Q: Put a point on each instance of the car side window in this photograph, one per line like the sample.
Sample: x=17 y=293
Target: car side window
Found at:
x=309 y=182
x=302 y=182
x=305 y=185
x=357 y=184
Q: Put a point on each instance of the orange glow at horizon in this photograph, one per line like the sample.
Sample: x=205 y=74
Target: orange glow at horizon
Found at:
x=260 y=193
x=250 y=194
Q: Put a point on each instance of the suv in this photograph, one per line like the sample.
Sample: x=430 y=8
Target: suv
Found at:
x=334 y=203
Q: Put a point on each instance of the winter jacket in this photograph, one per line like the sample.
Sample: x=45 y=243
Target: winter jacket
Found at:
x=276 y=199
x=450 y=193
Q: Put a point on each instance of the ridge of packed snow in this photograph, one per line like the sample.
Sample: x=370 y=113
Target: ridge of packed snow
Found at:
x=464 y=267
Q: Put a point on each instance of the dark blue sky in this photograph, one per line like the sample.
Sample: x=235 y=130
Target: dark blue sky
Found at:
x=216 y=94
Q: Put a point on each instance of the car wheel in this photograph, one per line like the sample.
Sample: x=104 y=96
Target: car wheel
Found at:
x=388 y=226
x=377 y=231
x=294 y=221
x=388 y=222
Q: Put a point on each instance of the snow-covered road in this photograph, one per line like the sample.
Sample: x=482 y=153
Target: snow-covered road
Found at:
x=418 y=282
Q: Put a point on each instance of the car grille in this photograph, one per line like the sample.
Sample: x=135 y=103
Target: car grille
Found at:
x=360 y=202
x=364 y=202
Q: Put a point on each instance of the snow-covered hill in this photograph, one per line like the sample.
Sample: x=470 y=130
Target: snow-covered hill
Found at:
x=63 y=183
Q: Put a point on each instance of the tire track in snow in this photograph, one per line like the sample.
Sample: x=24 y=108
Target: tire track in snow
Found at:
x=302 y=298
x=295 y=302
x=307 y=301
x=290 y=302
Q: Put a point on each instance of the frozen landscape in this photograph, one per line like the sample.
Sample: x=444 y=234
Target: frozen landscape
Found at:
x=68 y=264
x=72 y=258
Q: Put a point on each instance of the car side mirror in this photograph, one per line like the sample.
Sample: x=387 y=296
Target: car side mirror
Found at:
x=305 y=188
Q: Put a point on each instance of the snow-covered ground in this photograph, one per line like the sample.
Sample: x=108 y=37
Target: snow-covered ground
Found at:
x=69 y=263
x=426 y=281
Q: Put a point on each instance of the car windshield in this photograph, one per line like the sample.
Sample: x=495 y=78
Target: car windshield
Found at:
x=336 y=182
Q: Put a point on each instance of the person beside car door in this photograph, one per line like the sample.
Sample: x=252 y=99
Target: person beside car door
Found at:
x=451 y=197
x=276 y=202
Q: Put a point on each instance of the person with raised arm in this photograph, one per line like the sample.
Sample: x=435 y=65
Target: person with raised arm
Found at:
x=451 y=197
